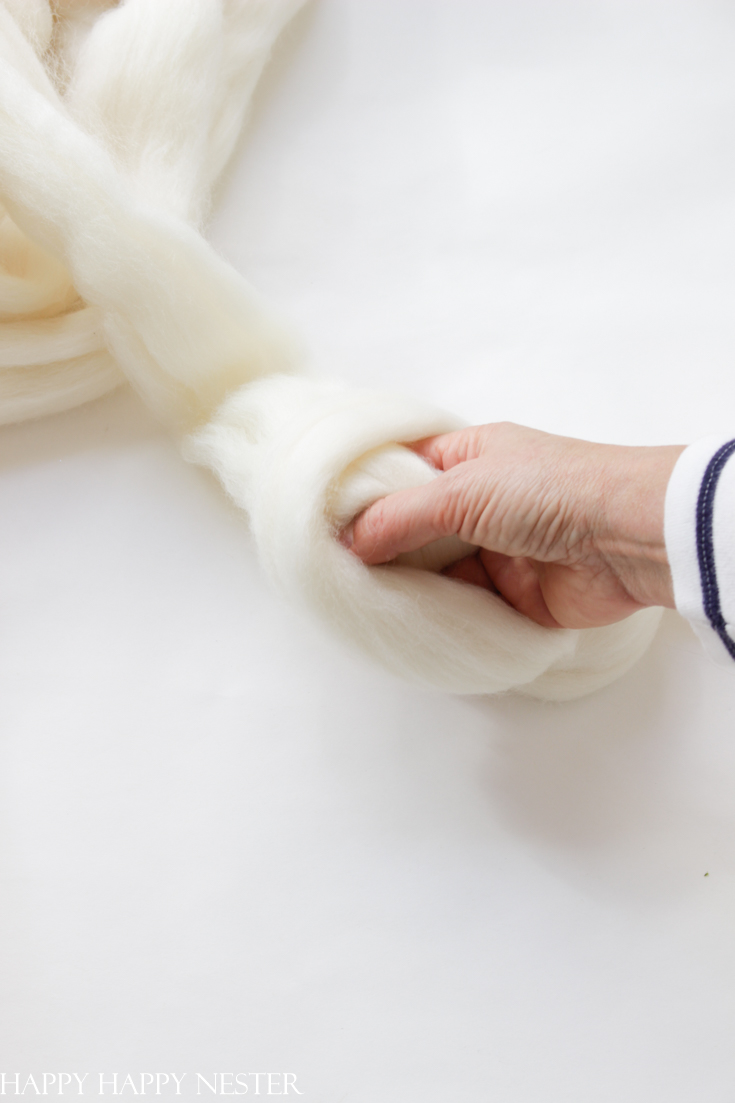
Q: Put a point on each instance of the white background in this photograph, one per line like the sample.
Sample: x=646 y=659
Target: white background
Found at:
x=228 y=845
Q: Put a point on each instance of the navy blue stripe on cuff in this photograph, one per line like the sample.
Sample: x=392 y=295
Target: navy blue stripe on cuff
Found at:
x=705 y=544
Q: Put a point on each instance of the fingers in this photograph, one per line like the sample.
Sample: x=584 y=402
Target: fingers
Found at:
x=449 y=449
x=517 y=580
x=403 y=522
x=453 y=502
x=471 y=569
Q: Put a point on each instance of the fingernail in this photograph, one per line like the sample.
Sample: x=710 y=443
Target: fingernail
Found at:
x=347 y=536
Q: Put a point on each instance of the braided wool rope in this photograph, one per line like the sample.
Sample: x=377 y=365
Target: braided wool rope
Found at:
x=115 y=122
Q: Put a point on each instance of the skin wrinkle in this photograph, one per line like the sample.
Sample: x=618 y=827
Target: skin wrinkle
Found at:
x=569 y=533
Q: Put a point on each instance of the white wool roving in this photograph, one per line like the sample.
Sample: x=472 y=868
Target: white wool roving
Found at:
x=115 y=122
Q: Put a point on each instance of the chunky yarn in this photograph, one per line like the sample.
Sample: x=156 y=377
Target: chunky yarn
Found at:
x=116 y=120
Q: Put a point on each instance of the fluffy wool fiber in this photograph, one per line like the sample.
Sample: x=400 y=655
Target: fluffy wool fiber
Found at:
x=115 y=122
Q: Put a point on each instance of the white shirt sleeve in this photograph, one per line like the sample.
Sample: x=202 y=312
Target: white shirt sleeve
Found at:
x=700 y=541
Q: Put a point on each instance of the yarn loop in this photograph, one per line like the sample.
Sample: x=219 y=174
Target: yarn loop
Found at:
x=116 y=121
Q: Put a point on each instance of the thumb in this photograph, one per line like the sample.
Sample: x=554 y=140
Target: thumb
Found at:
x=404 y=521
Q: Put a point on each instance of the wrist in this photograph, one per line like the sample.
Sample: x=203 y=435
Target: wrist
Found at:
x=629 y=532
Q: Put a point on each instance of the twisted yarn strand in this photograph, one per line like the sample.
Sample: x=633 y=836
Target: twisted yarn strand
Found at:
x=113 y=132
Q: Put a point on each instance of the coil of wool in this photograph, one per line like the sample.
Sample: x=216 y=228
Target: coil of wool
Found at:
x=116 y=120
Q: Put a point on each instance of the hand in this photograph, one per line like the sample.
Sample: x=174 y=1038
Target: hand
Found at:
x=569 y=533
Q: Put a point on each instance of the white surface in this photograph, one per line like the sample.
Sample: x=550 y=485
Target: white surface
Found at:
x=229 y=846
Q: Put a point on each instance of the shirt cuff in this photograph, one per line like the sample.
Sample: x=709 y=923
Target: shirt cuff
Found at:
x=699 y=531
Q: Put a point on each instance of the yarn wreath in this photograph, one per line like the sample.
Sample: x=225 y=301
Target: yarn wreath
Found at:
x=116 y=120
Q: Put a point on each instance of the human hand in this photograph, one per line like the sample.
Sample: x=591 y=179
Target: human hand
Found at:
x=568 y=532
